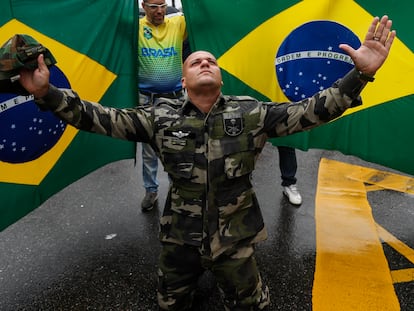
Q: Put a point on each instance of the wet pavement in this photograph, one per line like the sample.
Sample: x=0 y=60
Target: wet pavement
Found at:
x=90 y=247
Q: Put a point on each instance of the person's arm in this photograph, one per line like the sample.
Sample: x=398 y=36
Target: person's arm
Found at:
x=369 y=57
x=373 y=52
x=129 y=124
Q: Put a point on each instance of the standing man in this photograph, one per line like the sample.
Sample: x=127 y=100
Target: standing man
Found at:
x=209 y=144
x=160 y=44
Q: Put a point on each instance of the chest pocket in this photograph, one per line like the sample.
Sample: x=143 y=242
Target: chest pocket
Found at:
x=239 y=156
x=177 y=152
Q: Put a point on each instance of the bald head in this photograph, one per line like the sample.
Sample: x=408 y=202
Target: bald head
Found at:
x=197 y=54
x=200 y=69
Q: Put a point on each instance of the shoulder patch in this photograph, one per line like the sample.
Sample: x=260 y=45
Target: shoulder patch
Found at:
x=233 y=123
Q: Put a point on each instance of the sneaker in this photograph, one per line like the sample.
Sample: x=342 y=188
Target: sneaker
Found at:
x=293 y=194
x=150 y=200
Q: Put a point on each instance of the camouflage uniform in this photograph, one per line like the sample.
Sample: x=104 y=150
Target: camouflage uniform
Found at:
x=211 y=209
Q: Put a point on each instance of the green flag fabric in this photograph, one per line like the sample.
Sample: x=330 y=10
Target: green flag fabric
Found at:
x=288 y=50
x=95 y=45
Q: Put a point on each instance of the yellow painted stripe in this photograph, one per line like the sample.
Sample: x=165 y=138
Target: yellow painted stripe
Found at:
x=403 y=275
x=383 y=179
x=351 y=270
x=370 y=188
x=396 y=244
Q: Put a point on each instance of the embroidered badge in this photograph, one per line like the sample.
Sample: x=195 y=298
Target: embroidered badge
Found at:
x=178 y=138
x=147 y=32
x=180 y=134
x=233 y=123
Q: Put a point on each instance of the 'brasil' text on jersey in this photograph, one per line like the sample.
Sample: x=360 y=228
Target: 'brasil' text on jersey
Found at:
x=167 y=52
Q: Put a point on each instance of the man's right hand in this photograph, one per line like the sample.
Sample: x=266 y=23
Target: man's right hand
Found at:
x=36 y=81
x=370 y=56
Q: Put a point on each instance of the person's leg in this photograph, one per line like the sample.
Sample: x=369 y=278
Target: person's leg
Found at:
x=239 y=280
x=288 y=165
x=149 y=168
x=288 y=168
x=149 y=177
x=178 y=274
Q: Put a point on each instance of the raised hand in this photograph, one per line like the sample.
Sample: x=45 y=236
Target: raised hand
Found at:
x=36 y=81
x=370 y=56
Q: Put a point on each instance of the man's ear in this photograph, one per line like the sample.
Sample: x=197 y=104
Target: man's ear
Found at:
x=183 y=82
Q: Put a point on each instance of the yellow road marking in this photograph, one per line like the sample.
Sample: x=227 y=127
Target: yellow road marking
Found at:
x=403 y=275
x=396 y=244
x=383 y=179
x=351 y=270
x=370 y=188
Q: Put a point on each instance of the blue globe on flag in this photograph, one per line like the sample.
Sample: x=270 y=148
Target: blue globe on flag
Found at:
x=310 y=60
x=26 y=132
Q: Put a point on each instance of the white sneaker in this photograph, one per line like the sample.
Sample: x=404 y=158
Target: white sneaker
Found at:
x=293 y=194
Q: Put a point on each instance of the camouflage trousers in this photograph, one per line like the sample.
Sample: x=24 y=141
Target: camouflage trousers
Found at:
x=235 y=271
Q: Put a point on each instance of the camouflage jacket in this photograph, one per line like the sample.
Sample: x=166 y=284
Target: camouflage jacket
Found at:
x=209 y=157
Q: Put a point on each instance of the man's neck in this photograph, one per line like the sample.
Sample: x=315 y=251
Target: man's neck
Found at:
x=151 y=23
x=203 y=101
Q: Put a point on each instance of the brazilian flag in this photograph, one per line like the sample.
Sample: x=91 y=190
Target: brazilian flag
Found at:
x=94 y=44
x=288 y=50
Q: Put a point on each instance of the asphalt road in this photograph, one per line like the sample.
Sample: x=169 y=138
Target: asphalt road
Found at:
x=90 y=247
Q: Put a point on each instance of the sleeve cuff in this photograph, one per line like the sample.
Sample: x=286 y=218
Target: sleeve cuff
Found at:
x=51 y=100
x=352 y=85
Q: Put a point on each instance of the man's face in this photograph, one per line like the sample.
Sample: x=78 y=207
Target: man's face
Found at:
x=201 y=70
x=155 y=11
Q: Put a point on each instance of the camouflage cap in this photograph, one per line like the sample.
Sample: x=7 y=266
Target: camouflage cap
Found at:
x=21 y=51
